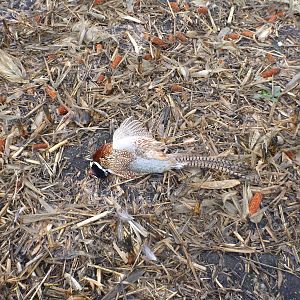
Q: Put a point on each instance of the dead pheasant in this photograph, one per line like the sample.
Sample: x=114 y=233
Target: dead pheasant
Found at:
x=134 y=153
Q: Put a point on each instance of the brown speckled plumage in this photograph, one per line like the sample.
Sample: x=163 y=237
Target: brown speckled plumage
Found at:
x=134 y=152
x=119 y=161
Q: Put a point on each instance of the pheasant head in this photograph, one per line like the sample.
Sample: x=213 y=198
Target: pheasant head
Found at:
x=100 y=163
x=102 y=153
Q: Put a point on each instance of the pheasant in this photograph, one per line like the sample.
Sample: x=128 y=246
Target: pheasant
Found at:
x=134 y=153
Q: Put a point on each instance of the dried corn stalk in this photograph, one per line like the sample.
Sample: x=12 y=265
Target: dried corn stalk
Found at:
x=11 y=68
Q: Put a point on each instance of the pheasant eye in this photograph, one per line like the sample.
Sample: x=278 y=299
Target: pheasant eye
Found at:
x=98 y=171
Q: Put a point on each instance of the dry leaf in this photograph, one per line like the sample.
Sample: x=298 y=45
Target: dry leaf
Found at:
x=256 y=218
x=86 y=32
x=121 y=253
x=149 y=255
x=130 y=18
x=171 y=38
x=254 y=136
x=116 y=61
x=202 y=10
x=292 y=83
x=184 y=71
x=73 y=282
x=38 y=120
x=137 y=48
x=297 y=157
x=99 y=48
x=192 y=34
x=290 y=154
x=11 y=68
x=2 y=99
x=176 y=88
x=51 y=92
x=201 y=74
x=270 y=57
x=2 y=145
x=30 y=91
x=231 y=36
x=231 y=204
x=223 y=32
x=247 y=194
x=80 y=28
x=272 y=18
x=254 y=203
x=216 y=185
x=15 y=96
x=62 y=110
x=280 y=14
x=186 y=6
x=181 y=37
x=174 y=6
x=247 y=77
x=39 y=146
x=101 y=78
x=158 y=42
x=206 y=73
x=263 y=33
x=236 y=249
x=147 y=57
x=197 y=208
x=270 y=72
x=247 y=33
x=91 y=35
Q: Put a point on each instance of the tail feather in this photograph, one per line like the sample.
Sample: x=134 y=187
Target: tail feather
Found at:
x=218 y=164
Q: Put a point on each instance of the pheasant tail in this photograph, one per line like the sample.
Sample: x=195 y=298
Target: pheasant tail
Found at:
x=218 y=164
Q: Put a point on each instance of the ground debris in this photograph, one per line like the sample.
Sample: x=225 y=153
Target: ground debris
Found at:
x=216 y=78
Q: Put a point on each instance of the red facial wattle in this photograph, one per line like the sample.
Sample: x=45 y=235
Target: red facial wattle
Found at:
x=102 y=152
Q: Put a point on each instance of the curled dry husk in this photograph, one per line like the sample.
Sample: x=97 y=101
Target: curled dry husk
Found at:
x=11 y=68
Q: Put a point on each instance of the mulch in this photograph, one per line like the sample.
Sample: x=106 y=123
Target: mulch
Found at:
x=217 y=78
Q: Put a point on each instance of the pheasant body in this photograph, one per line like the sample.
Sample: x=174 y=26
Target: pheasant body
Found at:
x=134 y=153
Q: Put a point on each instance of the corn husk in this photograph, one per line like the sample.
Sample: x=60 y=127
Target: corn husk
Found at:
x=11 y=68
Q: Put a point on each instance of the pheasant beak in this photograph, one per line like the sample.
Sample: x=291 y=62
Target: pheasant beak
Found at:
x=97 y=171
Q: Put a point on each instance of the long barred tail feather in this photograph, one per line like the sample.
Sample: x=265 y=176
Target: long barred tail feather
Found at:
x=219 y=164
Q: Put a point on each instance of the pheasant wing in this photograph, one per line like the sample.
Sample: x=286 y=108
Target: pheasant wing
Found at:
x=133 y=136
